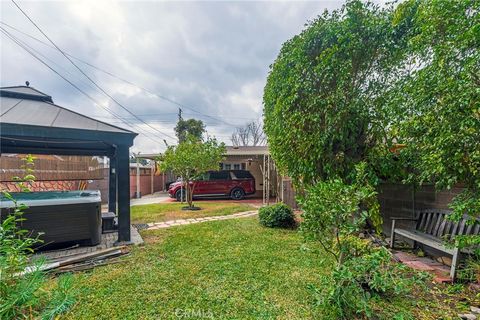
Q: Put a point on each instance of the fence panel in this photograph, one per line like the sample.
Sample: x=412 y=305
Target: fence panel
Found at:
x=289 y=194
x=51 y=170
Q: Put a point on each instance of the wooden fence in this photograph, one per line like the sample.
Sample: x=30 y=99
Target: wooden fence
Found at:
x=288 y=193
x=50 y=170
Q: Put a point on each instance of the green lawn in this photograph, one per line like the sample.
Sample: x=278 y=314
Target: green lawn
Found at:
x=160 y=212
x=230 y=269
x=233 y=269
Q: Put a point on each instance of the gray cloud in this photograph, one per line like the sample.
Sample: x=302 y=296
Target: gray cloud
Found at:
x=211 y=56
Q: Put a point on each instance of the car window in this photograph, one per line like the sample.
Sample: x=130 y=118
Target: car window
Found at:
x=219 y=175
x=242 y=174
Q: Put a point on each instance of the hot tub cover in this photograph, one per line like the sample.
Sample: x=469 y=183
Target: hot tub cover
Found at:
x=47 y=198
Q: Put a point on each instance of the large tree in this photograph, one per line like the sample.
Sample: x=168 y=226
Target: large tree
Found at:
x=437 y=101
x=189 y=127
x=192 y=158
x=323 y=96
x=359 y=80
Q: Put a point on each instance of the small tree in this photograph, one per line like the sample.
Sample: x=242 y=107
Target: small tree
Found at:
x=192 y=158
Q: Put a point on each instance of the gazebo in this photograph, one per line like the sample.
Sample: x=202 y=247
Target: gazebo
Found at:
x=31 y=123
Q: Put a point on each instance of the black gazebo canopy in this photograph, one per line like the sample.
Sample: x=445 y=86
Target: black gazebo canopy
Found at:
x=31 y=123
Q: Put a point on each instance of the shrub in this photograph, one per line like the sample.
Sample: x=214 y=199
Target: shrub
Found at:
x=471 y=272
x=348 y=291
x=334 y=210
x=278 y=215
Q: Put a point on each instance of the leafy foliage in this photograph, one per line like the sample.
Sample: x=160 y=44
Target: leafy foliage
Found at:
x=192 y=158
x=333 y=210
x=396 y=88
x=189 y=127
x=437 y=100
x=278 y=215
x=324 y=93
x=347 y=293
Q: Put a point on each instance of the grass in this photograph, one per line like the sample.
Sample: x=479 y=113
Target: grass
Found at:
x=232 y=269
x=160 y=212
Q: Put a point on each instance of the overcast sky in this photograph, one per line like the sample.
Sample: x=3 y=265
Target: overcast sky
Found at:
x=211 y=57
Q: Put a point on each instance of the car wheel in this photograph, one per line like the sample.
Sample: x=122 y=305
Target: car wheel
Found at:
x=179 y=194
x=237 y=194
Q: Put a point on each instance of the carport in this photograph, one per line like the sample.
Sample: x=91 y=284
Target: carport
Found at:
x=30 y=123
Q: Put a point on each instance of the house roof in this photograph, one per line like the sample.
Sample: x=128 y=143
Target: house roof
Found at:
x=231 y=151
x=28 y=106
x=247 y=150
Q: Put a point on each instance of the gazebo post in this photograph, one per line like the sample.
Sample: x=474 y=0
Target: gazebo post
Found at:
x=112 y=185
x=123 y=183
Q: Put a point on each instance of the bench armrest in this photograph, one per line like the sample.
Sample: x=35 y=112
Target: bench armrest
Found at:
x=402 y=218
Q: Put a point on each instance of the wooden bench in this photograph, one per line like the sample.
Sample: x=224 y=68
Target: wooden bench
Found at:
x=433 y=229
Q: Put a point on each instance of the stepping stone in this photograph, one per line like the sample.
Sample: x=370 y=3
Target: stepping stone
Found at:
x=159 y=226
x=404 y=256
x=418 y=265
x=475 y=309
x=468 y=316
x=442 y=277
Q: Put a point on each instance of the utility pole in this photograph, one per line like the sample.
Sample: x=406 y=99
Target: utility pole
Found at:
x=180 y=114
x=138 y=196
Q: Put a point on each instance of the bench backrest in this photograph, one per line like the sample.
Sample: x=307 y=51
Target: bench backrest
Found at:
x=435 y=223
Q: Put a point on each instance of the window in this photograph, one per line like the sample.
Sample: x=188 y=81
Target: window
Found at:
x=236 y=166
x=219 y=175
x=243 y=174
x=244 y=166
x=227 y=166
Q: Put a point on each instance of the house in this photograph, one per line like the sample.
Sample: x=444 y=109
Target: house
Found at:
x=257 y=160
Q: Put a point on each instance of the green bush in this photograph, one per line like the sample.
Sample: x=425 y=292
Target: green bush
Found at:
x=348 y=292
x=278 y=215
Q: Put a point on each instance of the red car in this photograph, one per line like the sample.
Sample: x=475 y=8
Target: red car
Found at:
x=235 y=184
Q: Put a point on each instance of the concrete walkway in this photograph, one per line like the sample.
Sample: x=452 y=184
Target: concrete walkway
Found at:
x=172 y=223
x=157 y=197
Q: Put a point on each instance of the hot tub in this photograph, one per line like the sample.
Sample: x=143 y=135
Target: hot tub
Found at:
x=65 y=217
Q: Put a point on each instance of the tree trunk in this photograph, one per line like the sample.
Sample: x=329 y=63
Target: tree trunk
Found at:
x=189 y=194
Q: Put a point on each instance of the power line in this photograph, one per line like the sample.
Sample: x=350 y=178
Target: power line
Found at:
x=124 y=80
x=87 y=76
x=26 y=48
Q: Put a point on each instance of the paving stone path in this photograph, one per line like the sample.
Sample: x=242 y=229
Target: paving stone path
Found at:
x=172 y=223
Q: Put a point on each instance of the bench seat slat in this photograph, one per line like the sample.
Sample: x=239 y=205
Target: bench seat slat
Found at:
x=424 y=238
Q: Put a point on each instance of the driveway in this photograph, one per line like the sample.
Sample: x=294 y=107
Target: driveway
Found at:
x=157 y=197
